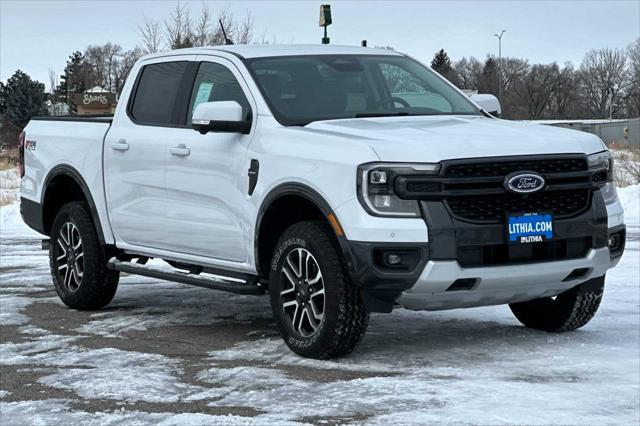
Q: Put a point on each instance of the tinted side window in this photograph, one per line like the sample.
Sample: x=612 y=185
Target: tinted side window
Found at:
x=216 y=82
x=157 y=92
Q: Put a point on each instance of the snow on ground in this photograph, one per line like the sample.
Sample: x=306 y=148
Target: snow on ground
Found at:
x=630 y=200
x=169 y=354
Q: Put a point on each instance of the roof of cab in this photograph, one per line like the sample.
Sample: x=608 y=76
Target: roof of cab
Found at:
x=266 y=50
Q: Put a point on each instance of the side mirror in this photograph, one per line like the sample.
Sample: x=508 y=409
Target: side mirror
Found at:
x=487 y=102
x=220 y=116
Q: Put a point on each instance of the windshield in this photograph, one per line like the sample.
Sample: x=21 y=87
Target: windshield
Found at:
x=303 y=89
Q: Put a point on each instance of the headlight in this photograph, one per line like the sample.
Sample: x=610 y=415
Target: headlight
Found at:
x=601 y=164
x=376 y=188
x=602 y=161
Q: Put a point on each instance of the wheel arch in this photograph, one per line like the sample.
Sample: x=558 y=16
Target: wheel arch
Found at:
x=64 y=184
x=310 y=205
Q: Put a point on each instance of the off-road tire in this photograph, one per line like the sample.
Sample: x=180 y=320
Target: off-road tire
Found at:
x=345 y=318
x=98 y=284
x=568 y=311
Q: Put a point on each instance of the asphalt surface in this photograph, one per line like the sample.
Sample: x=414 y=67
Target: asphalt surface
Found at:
x=172 y=354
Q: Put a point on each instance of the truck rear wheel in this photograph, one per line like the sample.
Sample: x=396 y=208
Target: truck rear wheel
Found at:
x=78 y=262
x=566 y=312
x=319 y=311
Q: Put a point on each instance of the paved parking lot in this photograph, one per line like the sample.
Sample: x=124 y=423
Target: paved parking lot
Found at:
x=171 y=354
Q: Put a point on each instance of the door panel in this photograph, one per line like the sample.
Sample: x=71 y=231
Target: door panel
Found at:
x=207 y=176
x=135 y=179
x=136 y=156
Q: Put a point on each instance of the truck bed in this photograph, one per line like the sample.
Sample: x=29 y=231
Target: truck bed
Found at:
x=66 y=142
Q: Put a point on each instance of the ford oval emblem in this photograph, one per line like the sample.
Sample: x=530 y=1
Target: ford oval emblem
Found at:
x=524 y=183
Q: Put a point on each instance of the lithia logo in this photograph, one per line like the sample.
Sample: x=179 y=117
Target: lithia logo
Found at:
x=523 y=183
x=87 y=99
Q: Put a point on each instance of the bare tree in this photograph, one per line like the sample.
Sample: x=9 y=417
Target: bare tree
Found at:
x=605 y=80
x=513 y=70
x=226 y=20
x=245 y=30
x=123 y=67
x=104 y=60
x=565 y=101
x=469 y=72
x=151 y=33
x=538 y=88
x=110 y=64
x=178 y=28
x=633 y=52
x=202 y=28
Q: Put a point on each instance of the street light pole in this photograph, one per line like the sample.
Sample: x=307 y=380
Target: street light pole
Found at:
x=500 y=63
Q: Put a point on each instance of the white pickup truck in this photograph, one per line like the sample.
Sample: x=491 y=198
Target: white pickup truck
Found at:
x=340 y=180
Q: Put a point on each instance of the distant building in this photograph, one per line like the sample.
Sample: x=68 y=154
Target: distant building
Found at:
x=615 y=133
x=94 y=101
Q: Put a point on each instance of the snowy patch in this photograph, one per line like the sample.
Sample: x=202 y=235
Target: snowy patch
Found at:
x=105 y=373
x=56 y=411
x=11 y=307
x=274 y=351
x=630 y=200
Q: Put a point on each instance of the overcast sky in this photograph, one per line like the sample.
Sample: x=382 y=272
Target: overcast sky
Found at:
x=38 y=35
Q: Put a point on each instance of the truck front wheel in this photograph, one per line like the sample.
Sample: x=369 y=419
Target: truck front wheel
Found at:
x=78 y=262
x=319 y=311
x=565 y=312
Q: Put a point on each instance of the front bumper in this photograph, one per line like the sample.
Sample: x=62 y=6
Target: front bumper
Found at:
x=454 y=271
x=500 y=284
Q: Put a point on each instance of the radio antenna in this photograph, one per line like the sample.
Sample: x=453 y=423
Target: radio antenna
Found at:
x=227 y=40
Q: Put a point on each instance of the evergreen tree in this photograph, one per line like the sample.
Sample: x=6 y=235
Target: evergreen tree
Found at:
x=78 y=76
x=489 y=79
x=442 y=65
x=3 y=104
x=22 y=98
x=441 y=62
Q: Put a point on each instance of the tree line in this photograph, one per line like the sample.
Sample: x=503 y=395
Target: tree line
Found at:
x=607 y=83
x=108 y=65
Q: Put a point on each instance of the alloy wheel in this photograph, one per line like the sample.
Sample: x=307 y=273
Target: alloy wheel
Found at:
x=302 y=294
x=71 y=258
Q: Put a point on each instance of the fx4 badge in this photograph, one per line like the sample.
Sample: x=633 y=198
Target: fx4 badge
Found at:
x=30 y=145
x=524 y=183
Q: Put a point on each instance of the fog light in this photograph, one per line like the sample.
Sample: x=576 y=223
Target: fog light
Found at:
x=614 y=241
x=394 y=259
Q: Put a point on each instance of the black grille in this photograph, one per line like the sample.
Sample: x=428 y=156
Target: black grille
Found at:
x=500 y=254
x=493 y=208
x=476 y=191
x=503 y=168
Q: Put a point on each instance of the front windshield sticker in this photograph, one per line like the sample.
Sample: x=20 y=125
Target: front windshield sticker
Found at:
x=204 y=91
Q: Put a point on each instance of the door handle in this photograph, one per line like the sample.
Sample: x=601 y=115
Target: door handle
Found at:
x=180 y=150
x=121 y=145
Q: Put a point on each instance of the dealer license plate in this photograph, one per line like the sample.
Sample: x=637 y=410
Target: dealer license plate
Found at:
x=524 y=228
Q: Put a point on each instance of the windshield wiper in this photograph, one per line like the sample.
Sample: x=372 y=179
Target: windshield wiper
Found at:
x=382 y=114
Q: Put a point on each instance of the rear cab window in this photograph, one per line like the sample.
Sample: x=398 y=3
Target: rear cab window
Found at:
x=158 y=94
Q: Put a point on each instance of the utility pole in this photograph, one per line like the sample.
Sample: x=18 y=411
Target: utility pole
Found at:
x=500 y=63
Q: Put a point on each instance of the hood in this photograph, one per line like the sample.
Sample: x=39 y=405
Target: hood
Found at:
x=436 y=138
